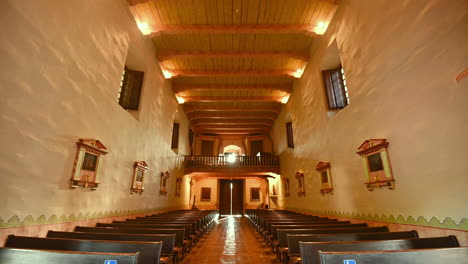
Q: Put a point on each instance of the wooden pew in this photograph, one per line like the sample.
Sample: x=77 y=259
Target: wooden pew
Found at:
x=294 y=239
x=28 y=256
x=142 y=231
x=417 y=256
x=313 y=226
x=150 y=252
x=281 y=245
x=188 y=229
x=168 y=250
x=310 y=255
x=266 y=231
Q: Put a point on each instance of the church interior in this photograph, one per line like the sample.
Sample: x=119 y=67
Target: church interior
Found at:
x=219 y=117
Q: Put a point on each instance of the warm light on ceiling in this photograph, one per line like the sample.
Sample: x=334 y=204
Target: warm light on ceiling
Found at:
x=298 y=73
x=180 y=99
x=167 y=74
x=144 y=28
x=285 y=99
x=321 y=28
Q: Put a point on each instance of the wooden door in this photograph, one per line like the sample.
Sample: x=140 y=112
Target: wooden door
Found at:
x=231 y=199
x=256 y=146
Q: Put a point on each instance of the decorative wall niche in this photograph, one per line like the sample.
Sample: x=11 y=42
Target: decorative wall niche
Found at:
x=139 y=170
x=326 y=184
x=376 y=162
x=205 y=194
x=254 y=194
x=300 y=179
x=87 y=164
x=162 y=184
x=286 y=186
x=178 y=186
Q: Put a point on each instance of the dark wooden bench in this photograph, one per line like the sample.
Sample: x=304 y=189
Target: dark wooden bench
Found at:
x=189 y=236
x=28 y=256
x=294 y=239
x=150 y=252
x=281 y=245
x=417 y=256
x=310 y=255
x=142 y=231
x=265 y=232
x=301 y=226
x=168 y=250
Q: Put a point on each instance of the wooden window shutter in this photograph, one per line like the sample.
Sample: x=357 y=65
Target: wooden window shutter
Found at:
x=335 y=88
x=131 y=90
x=289 y=134
x=175 y=136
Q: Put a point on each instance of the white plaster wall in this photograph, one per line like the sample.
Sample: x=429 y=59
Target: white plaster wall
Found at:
x=209 y=183
x=255 y=183
x=61 y=63
x=401 y=60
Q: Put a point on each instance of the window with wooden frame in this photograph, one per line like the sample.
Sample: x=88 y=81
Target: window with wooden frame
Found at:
x=175 y=136
x=130 y=89
x=289 y=134
x=337 y=91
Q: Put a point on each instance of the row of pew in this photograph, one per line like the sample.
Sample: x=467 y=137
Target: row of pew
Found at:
x=161 y=238
x=307 y=239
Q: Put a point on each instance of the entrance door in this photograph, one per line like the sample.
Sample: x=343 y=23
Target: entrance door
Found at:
x=231 y=197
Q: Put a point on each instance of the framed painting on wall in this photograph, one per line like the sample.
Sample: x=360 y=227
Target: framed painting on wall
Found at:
x=326 y=184
x=286 y=186
x=162 y=184
x=205 y=194
x=301 y=184
x=139 y=170
x=376 y=163
x=88 y=160
x=254 y=194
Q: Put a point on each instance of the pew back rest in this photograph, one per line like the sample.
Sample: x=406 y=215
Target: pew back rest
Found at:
x=178 y=232
x=293 y=239
x=28 y=256
x=282 y=239
x=168 y=240
x=188 y=228
x=150 y=252
x=417 y=256
x=310 y=255
x=300 y=226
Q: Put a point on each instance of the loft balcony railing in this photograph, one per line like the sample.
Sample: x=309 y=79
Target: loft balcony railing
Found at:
x=263 y=163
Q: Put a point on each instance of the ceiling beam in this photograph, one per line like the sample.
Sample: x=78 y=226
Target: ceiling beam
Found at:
x=155 y=30
x=197 y=115
x=177 y=88
x=170 y=54
x=231 y=121
x=192 y=108
x=216 y=73
x=232 y=132
x=224 y=126
x=135 y=2
x=232 y=99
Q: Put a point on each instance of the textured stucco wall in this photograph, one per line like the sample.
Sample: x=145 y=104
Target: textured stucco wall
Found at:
x=208 y=183
x=61 y=64
x=401 y=60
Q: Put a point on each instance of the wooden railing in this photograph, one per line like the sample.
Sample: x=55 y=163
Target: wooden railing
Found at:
x=267 y=163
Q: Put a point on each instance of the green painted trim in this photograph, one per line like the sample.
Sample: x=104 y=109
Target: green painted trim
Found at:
x=447 y=223
x=386 y=164
x=365 y=165
x=29 y=220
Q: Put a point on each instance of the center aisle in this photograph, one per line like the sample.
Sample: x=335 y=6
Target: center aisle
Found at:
x=232 y=240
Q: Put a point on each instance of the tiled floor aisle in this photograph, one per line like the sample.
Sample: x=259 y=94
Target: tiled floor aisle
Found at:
x=232 y=240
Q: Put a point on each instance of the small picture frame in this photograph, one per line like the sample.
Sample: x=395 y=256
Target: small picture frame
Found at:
x=205 y=194
x=178 y=186
x=139 y=170
x=163 y=183
x=326 y=184
x=254 y=194
x=301 y=184
x=88 y=161
x=286 y=186
x=376 y=163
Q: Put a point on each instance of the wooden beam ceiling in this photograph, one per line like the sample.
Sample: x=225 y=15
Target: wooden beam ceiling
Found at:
x=192 y=108
x=232 y=132
x=232 y=99
x=224 y=126
x=169 y=54
x=231 y=121
x=217 y=73
x=198 y=115
x=177 y=88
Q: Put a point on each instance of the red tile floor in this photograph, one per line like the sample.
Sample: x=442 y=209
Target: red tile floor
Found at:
x=232 y=240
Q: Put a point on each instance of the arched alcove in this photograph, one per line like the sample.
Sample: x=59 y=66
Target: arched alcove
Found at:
x=233 y=149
